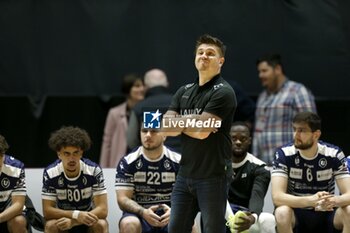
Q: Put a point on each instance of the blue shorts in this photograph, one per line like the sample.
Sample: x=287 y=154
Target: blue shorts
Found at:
x=3 y=227
x=146 y=227
x=235 y=208
x=314 y=221
x=79 y=229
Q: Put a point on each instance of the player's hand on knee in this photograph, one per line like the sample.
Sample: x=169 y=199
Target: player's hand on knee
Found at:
x=151 y=217
x=87 y=218
x=326 y=204
x=245 y=222
x=318 y=197
x=64 y=224
x=166 y=216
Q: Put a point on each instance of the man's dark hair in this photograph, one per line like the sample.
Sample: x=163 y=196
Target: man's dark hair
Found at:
x=70 y=136
x=241 y=123
x=3 y=145
x=208 y=39
x=272 y=59
x=310 y=118
x=129 y=81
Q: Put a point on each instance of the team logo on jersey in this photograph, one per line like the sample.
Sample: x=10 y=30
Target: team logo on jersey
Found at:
x=167 y=164
x=340 y=156
x=346 y=163
x=233 y=174
x=322 y=163
x=297 y=161
x=5 y=183
x=218 y=86
x=84 y=180
x=121 y=166
x=60 y=182
x=99 y=177
x=139 y=164
x=189 y=85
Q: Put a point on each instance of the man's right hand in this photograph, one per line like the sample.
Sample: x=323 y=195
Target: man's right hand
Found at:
x=319 y=197
x=151 y=217
x=247 y=222
x=87 y=218
x=64 y=224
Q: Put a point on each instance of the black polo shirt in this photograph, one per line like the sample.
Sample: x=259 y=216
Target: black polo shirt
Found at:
x=208 y=157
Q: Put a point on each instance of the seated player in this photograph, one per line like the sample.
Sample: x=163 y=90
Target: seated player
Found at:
x=74 y=194
x=12 y=192
x=303 y=180
x=248 y=187
x=144 y=182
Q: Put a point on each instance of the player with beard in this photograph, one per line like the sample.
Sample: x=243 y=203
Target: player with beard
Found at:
x=303 y=180
x=74 y=194
x=144 y=182
x=249 y=184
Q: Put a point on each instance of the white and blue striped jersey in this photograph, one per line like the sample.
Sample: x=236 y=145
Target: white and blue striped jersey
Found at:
x=12 y=181
x=152 y=181
x=73 y=193
x=307 y=176
x=348 y=162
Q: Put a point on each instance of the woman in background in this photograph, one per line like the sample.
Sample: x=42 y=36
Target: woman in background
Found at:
x=114 y=145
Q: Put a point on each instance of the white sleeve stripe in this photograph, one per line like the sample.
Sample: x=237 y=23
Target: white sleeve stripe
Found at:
x=99 y=193
x=341 y=176
x=19 y=190
x=98 y=188
x=283 y=174
x=24 y=193
x=51 y=198
x=123 y=188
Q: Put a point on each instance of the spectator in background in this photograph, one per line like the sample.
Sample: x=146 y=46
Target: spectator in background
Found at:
x=157 y=97
x=303 y=180
x=276 y=106
x=114 y=143
x=12 y=192
x=250 y=182
x=144 y=182
x=74 y=195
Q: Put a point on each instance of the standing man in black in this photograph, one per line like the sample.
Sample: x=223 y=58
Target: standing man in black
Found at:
x=202 y=112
